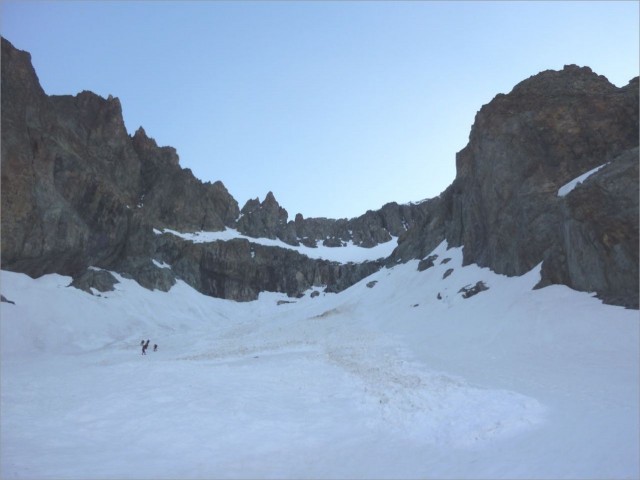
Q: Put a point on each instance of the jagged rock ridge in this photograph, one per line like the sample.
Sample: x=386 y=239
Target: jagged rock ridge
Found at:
x=268 y=219
x=79 y=192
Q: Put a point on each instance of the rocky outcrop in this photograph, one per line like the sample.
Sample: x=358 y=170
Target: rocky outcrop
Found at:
x=268 y=219
x=504 y=207
x=469 y=291
x=79 y=192
x=6 y=300
x=523 y=147
x=42 y=230
x=240 y=270
x=426 y=234
x=265 y=220
x=598 y=249
x=76 y=188
x=171 y=197
x=95 y=279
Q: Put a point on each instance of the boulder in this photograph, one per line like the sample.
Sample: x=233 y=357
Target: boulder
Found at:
x=94 y=279
x=469 y=291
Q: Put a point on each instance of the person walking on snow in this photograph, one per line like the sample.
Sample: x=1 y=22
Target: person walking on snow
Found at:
x=144 y=348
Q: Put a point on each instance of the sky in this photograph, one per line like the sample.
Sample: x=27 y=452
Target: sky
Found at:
x=335 y=107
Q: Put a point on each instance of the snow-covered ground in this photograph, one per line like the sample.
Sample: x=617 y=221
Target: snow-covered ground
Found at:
x=380 y=381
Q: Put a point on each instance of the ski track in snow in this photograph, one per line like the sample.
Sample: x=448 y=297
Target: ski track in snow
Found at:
x=381 y=382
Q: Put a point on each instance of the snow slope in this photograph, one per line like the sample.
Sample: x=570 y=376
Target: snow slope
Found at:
x=349 y=253
x=380 y=381
x=570 y=186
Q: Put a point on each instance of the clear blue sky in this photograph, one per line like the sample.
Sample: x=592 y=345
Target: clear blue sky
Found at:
x=336 y=107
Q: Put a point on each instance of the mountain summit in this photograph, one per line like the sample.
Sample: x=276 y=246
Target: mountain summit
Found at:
x=507 y=206
x=81 y=197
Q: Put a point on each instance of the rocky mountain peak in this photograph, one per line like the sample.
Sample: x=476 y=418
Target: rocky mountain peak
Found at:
x=263 y=219
x=270 y=201
x=95 y=117
x=504 y=207
x=22 y=77
x=571 y=80
x=78 y=192
x=551 y=125
x=148 y=149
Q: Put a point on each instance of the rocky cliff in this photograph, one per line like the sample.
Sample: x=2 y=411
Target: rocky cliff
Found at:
x=80 y=197
x=75 y=184
x=504 y=206
x=268 y=219
x=79 y=192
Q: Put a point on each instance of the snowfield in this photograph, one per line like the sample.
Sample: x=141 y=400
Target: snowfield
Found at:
x=348 y=253
x=397 y=377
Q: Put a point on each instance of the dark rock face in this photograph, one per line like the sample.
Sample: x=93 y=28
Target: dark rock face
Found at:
x=470 y=291
x=427 y=263
x=268 y=219
x=25 y=161
x=504 y=208
x=523 y=147
x=598 y=250
x=426 y=234
x=240 y=270
x=171 y=197
x=100 y=280
x=78 y=191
